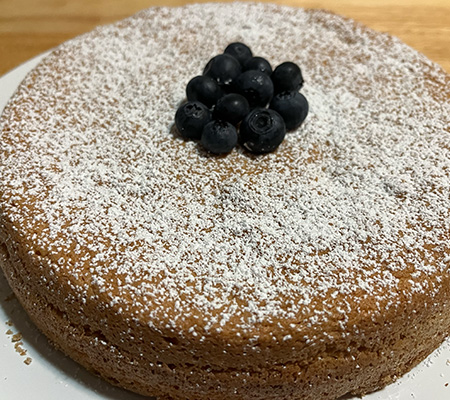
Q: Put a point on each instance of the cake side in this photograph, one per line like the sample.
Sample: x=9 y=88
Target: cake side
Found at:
x=375 y=356
x=211 y=262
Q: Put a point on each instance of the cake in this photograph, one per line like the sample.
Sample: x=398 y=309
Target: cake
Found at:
x=315 y=271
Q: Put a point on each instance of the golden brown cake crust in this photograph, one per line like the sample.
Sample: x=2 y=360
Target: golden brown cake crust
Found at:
x=313 y=272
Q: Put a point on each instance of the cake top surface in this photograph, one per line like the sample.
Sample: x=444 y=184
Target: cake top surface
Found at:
x=349 y=215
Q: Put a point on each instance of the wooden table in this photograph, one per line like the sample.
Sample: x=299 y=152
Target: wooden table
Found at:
x=29 y=27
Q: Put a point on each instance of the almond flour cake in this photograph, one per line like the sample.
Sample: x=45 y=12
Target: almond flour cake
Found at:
x=315 y=271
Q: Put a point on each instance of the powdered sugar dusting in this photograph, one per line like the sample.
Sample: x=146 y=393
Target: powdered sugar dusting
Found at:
x=354 y=206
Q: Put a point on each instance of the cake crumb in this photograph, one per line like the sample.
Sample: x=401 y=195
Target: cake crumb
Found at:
x=27 y=360
x=9 y=323
x=17 y=337
x=18 y=347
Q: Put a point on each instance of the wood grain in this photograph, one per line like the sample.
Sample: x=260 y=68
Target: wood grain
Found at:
x=29 y=27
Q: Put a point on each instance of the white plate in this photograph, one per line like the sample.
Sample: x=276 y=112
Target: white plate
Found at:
x=52 y=376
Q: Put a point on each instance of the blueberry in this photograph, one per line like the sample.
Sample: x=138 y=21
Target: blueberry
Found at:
x=219 y=137
x=256 y=87
x=224 y=69
x=262 y=130
x=232 y=108
x=258 y=64
x=239 y=51
x=203 y=89
x=292 y=106
x=287 y=77
x=190 y=119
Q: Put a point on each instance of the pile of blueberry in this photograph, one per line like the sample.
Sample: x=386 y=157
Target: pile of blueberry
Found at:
x=228 y=103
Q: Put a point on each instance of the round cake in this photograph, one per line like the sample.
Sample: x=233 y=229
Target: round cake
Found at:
x=315 y=271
